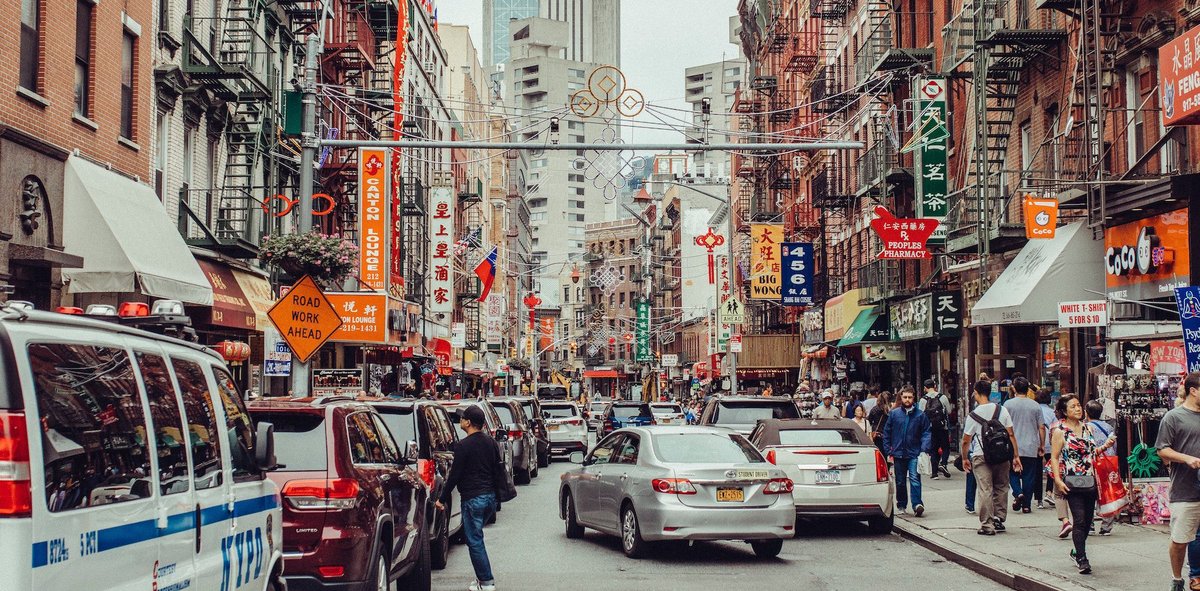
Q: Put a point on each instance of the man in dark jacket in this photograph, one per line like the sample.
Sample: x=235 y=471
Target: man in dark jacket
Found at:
x=475 y=459
x=906 y=435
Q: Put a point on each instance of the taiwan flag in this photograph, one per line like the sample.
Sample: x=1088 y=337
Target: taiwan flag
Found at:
x=486 y=272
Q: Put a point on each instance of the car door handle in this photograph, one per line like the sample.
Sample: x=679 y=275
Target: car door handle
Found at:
x=624 y=477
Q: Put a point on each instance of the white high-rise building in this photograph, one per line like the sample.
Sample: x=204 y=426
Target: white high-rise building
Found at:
x=594 y=28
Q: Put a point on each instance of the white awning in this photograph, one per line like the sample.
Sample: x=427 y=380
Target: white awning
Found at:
x=128 y=242
x=1069 y=267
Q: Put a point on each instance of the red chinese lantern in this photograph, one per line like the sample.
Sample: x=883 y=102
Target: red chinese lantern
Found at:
x=234 y=352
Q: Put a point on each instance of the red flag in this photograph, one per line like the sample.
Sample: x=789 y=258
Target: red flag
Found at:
x=486 y=272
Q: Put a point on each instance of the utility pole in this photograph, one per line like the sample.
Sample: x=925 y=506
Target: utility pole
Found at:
x=301 y=372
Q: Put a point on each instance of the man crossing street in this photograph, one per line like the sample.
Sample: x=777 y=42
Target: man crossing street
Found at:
x=906 y=435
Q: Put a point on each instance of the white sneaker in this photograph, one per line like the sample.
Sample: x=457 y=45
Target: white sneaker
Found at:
x=477 y=586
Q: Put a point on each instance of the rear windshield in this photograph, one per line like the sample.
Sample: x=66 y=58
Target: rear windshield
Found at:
x=506 y=414
x=299 y=440
x=750 y=412
x=400 y=422
x=552 y=392
x=527 y=406
x=818 y=437
x=705 y=448
x=664 y=408
x=559 y=412
x=626 y=411
x=598 y=406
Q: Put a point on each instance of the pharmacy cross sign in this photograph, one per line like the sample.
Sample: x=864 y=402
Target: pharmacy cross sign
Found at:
x=709 y=242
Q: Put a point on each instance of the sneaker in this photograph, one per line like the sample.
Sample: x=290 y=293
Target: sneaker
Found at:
x=1049 y=502
x=477 y=586
x=999 y=526
x=902 y=511
x=1065 y=531
x=970 y=510
x=1085 y=567
x=1177 y=585
x=945 y=471
x=1025 y=510
x=919 y=510
x=983 y=531
x=1105 y=531
x=934 y=476
x=1017 y=501
x=1041 y=505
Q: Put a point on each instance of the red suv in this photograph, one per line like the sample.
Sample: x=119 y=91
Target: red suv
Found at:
x=353 y=507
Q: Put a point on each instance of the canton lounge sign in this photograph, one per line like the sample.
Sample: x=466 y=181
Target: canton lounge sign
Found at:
x=935 y=315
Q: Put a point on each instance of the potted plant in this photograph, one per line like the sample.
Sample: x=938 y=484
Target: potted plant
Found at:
x=328 y=259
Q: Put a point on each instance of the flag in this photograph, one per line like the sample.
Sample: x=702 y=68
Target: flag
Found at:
x=486 y=272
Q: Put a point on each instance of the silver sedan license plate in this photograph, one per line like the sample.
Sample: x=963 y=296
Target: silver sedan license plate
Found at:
x=829 y=476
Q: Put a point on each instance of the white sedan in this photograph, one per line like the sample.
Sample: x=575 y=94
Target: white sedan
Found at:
x=565 y=425
x=668 y=413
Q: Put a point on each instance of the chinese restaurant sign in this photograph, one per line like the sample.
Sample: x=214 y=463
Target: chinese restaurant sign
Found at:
x=797 y=274
x=374 y=216
x=441 y=249
x=364 y=317
x=1148 y=258
x=931 y=155
x=725 y=289
x=903 y=238
x=935 y=315
x=1179 y=79
x=765 y=264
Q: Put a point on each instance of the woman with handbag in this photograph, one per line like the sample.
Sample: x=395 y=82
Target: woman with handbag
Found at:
x=877 y=419
x=1073 y=449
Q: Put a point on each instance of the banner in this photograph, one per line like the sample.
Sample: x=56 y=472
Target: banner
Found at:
x=797 y=287
x=1178 y=66
x=1041 y=216
x=1083 y=314
x=1187 y=299
x=643 y=332
x=931 y=156
x=765 y=264
x=373 y=218
x=441 y=250
x=494 y=319
x=1148 y=258
x=364 y=317
x=903 y=238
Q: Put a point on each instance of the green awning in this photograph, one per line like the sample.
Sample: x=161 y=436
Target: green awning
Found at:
x=871 y=326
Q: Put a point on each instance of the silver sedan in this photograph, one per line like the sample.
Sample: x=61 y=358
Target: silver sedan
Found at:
x=646 y=484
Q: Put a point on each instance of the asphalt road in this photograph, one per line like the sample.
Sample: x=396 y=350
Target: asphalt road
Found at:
x=529 y=551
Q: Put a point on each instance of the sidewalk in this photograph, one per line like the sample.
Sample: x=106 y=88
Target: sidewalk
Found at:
x=1029 y=556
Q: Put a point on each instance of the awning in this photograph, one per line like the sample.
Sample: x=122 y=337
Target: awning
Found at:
x=258 y=295
x=230 y=306
x=128 y=241
x=600 y=373
x=1068 y=267
x=871 y=326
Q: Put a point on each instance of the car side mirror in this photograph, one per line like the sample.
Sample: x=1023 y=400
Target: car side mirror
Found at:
x=264 y=447
x=411 y=452
x=576 y=457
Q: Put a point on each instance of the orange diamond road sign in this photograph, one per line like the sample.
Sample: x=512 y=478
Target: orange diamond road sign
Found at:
x=305 y=318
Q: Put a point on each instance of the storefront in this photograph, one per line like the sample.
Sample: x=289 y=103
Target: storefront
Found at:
x=814 y=359
x=929 y=327
x=868 y=341
x=235 y=316
x=770 y=360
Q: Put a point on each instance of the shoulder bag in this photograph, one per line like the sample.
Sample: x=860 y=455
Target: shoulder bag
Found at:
x=1082 y=481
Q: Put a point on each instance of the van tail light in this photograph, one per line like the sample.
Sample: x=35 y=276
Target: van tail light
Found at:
x=425 y=469
x=16 y=490
x=673 y=486
x=653 y=422
x=331 y=572
x=881 y=467
x=333 y=494
x=515 y=433
x=575 y=422
x=128 y=309
x=778 y=486
x=771 y=456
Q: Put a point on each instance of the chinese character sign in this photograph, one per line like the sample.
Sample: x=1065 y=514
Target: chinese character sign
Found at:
x=725 y=289
x=947 y=314
x=494 y=322
x=766 y=265
x=643 y=332
x=374 y=216
x=441 y=257
x=903 y=238
x=1187 y=299
x=797 y=287
x=931 y=155
x=1178 y=79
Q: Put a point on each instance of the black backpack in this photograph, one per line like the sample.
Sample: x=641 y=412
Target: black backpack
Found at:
x=994 y=440
x=936 y=412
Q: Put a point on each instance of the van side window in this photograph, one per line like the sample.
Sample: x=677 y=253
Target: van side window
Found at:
x=93 y=426
x=437 y=437
x=390 y=450
x=165 y=423
x=365 y=445
x=204 y=434
x=239 y=427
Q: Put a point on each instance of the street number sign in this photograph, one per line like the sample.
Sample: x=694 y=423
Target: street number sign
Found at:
x=305 y=318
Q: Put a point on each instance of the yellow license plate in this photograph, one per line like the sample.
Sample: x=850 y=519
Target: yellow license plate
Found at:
x=551 y=427
x=731 y=495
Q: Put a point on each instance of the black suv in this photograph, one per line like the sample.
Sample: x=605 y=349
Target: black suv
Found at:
x=533 y=413
x=424 y=430
x=742 y=413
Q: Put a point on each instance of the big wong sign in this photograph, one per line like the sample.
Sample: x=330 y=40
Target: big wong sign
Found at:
x=765 y=261
x=1179 y=79
x=903 y=238
x=1148 y=258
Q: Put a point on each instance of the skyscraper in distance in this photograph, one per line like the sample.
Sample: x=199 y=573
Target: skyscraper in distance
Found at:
x=496 y=14
x=594 y=28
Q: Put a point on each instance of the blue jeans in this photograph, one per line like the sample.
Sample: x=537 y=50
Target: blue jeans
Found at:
x=476 y=512
x=972 y=490
x=1193 y=554
x=1025 y=481
x=906 y=469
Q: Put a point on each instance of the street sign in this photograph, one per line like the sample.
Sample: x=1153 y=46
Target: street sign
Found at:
x=732 y=312
x=735 y=343
x=305 y=318
x=458 y=335
x=277 y=357
x=670 y=360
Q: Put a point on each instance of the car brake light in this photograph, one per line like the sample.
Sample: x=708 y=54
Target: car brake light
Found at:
x=425 y=469
x=516 y=434
x=16 y=490
x=128 y=309
x=335 y=494
x=73 y=310
x=576 y=422
x=653 y=422
x=881 y=467
x=673 y=486
x=771 y=456
x=331 y=572
x=778 y=486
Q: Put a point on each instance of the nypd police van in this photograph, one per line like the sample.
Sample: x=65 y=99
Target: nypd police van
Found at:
x=127 y=458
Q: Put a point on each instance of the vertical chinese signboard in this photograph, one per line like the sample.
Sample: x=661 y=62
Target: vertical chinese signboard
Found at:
x=1187 y=299
x=725 y=291
x=931 y=154
x=494 y=322
x=1179 y=85
x=643 y=332
x=797 y=274
x=441 y=249
x=765 y=264
x=374 y=216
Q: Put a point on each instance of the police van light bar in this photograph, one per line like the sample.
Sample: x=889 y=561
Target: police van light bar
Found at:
x=101 y=310
x=19 y=304
x=69 y=310
x=129 y=309
x=167 y=307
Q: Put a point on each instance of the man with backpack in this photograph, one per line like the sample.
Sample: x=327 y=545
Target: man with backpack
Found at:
x=905 y=436
x=988 y=441
x=936 y=406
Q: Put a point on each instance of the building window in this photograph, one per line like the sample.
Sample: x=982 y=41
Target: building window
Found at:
x=1026 y=152
x=733 y=72
x=30 y=44
x=83 y=58
x=128 y=57
x=162 y=153
x=566 y=295
x=189 y=154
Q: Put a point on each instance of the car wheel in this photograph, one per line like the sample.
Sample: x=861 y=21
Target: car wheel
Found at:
x=881 y=525
x=533 y=470
x=631 y=534
x=522 y=476
x=574 y=530
x=439 y=551
x=767 y=548
x=379 y=576
x=420 y=578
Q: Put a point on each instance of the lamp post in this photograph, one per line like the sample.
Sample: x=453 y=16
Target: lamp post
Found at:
x=532 y=301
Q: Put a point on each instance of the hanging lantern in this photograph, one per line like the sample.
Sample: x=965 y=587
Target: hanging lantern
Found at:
x=234 y=352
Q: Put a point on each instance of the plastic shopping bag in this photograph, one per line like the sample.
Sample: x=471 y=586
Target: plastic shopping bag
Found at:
x=924 y=466
x=1113 y=495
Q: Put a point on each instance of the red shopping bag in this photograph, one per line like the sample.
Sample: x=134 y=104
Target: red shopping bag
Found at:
x=1113 y=496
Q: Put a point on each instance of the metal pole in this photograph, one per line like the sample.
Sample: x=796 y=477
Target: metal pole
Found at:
x=772 y=148
x=301 y=372
x=733 y=379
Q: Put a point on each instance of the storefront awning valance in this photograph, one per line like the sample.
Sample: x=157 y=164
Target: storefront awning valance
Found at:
x=871 y=326
x=128 y=241
x=600 y=373
x=258 y=294
x=1068 y=267
x=230 y=307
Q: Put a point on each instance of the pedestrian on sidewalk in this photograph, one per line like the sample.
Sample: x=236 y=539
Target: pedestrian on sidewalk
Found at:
x=860 y=419
x=1043 y=484
x=1030 y=430
x=906 y=435
x=1105 y=438
x=827 y=410
x=936 y=406
x=473 y=470
x=992 y=456
x=1179 y=443
x=1072 y=465
x=878 y=419
x=872 y=400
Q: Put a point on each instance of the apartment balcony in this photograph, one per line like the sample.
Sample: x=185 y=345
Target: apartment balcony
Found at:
x=228 y=55
x=882 y=280
x=880 y=165
x=885 y=50
x=350 y=43
x=830 y=92
x=833 y=187
x=830 y=9
x=964 y=219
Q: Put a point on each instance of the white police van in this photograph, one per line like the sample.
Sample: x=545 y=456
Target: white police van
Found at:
x=127 y=458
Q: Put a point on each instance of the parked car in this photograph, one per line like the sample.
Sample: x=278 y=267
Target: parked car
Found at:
x=354 y=507
x=494 y=426
x=424 y=430
x=593 y=412
x=564 y=422
x=835 y=467
x=741 y=413
x=107 y=430
x=668 y=413
x=520 y=434
x=647 y=484
x=624 y=413
x=532 y=408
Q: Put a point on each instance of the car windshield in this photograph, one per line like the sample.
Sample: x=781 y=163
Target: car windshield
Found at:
x=506 y=414
x=299 y=440
x=665 y=408
x=817 y=437
x=400 y=422
x=559 y=412
x=750 y=412
x=624 y=411
x=705 y=448
x=552 y=392
x=527 y=406
x=598 y=406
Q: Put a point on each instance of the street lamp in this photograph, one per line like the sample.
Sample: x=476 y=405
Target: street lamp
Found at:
x=575 y=273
